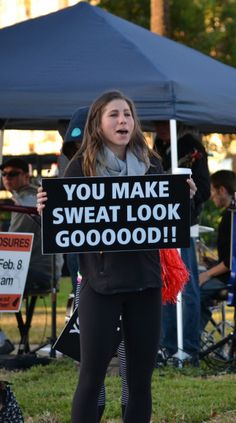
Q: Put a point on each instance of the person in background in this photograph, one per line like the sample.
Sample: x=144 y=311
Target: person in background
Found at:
x=72 y=138
x=129 y=283
x=214 y=279
x=191 y=153
x=16 y=180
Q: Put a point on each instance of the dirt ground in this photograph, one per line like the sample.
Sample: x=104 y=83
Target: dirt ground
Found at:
x=228 y=417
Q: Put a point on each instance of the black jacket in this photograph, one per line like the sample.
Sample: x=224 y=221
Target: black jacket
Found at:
x=126 y=271
x=223 y=243
x=191 y=153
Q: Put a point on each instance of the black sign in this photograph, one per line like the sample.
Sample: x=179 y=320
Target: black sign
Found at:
x=68 y=342
x=114 y=214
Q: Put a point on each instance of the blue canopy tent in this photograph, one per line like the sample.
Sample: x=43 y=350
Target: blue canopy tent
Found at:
x=56 y=63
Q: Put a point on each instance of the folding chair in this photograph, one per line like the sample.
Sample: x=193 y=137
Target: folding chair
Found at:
x=229 y=295
x=24 y=323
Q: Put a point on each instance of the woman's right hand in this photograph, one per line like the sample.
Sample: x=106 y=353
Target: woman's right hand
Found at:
x=41 y=199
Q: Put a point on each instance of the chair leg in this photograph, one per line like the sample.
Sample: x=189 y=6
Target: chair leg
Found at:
x=24 y=326
x=216 y=349
x=220 y=328
x=232 y=351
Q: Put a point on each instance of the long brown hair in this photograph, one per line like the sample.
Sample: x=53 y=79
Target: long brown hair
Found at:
x=93 y=135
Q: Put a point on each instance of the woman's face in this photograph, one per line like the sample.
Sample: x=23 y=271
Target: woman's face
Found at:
x=117 y=125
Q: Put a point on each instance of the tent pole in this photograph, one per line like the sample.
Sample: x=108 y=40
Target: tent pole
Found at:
x=173 y=145
x=1 y=144
x=179 y=311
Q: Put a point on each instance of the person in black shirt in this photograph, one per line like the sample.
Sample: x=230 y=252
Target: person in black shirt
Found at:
x=191 y=153
x=213 y=280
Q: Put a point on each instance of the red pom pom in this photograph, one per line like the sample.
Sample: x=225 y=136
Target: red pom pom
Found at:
x=174 y=273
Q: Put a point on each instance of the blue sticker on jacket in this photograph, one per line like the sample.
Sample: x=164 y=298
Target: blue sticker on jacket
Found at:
x=76 y=132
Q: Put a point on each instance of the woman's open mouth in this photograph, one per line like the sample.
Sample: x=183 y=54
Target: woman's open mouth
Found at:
x=122 y=131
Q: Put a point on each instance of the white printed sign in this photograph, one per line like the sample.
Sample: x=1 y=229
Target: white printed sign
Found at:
x=116 y=213
x=15 y=252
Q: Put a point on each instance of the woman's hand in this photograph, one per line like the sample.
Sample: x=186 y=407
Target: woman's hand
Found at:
x=41 y=199
x=192 y=186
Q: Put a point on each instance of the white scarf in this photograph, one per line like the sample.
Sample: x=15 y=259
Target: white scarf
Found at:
x=108 y=164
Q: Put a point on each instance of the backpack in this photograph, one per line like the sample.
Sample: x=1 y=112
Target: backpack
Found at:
x=10 y=411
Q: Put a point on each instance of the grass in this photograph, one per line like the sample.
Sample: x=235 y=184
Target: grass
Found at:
x=179 y=395
x=45 y=394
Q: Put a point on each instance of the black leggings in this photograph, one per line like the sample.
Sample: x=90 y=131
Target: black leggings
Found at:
x=141 y=319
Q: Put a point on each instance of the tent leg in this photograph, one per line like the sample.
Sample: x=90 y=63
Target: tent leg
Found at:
x=1 y=144
x=179 y=312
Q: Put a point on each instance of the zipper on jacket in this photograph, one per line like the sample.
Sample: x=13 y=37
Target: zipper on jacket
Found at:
x=101 y=262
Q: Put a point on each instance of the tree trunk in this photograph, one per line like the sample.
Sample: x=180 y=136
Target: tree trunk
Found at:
x=160 y=17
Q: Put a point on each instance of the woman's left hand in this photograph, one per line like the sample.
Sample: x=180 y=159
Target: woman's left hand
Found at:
x=192 y=186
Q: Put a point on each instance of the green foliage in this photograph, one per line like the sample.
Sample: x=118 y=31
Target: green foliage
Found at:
x=136 y=11
x=206 y=25
x=210 y=216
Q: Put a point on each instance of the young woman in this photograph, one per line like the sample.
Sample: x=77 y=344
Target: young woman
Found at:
x=116 y=283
